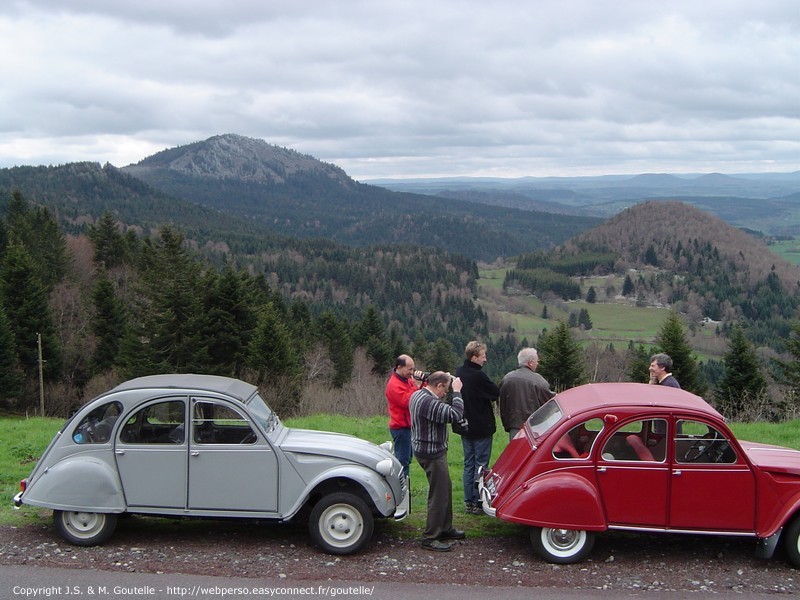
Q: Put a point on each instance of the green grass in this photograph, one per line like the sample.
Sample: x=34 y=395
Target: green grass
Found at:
x=613 y=322
x=24 y=439
x=787 y=249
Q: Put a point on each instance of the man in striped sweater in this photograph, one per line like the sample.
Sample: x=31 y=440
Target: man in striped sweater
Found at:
x=430 y=414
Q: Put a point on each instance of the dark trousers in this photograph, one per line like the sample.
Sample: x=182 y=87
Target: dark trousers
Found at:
x=440 y=495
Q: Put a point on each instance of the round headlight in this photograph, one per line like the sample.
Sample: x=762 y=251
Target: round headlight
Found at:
x=384 y=467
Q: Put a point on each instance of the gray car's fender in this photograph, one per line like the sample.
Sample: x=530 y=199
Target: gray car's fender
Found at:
x=374 y=483
x=78 y=482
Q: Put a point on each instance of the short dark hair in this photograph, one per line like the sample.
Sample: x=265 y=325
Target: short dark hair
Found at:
x=401 y=361
x=662 y=360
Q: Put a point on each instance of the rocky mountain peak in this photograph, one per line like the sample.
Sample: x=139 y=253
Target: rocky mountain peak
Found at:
x=232 y=156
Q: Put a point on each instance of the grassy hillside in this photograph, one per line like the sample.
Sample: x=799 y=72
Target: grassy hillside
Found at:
x=789 y=250
x=618 y=321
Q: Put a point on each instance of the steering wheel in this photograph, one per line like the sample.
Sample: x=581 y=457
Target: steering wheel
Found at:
x=701 y=446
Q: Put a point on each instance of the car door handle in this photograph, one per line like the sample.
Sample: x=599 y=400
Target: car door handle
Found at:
x=195 y=453
x=677 y=473
x=119 y=451
x=601 y=469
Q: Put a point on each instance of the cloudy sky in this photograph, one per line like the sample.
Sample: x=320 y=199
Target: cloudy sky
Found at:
x=412 y=88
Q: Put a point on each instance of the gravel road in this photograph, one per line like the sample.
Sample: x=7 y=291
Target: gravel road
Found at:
x=244 y=549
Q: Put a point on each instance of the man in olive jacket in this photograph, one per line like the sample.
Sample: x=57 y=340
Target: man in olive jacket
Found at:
x=479 y=393
x=522 y=391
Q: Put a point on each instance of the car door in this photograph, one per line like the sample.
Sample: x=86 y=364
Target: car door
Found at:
x=712 y=487
x=633 y=474
x=231 y=466
x=150 y=451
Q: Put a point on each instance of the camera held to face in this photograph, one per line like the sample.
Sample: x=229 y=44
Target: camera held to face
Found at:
x=421 y=376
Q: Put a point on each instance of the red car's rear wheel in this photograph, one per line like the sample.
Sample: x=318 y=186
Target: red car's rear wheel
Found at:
x=562 y=546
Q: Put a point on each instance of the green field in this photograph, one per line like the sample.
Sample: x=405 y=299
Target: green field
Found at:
x=614 y=322
x=787 y=249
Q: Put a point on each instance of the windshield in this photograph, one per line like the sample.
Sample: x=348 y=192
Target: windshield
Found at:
x=544 y=418
x=263 y=414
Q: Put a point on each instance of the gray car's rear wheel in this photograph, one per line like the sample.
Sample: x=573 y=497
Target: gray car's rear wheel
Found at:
x=84 y=528
x=562 y=546
x=341 y=523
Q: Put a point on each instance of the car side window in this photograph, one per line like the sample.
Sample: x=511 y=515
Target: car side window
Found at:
x=159 y=423
x=578 y=441
x=643 y=440
x=95 y=428
x=697 y=442
x=215 y=423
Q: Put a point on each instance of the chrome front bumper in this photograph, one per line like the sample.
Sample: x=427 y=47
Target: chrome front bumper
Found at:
x=486 y=497
x=402 y=510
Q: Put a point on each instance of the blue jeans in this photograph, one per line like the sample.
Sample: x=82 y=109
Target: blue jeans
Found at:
x=477 y=453
x=402 y=447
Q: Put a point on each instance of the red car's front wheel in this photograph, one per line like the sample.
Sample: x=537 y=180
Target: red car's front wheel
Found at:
x=562 y=546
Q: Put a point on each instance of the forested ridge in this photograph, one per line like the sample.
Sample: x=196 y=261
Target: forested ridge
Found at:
x=118 y=279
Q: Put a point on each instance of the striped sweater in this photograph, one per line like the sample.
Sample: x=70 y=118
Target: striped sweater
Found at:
x=429 y=419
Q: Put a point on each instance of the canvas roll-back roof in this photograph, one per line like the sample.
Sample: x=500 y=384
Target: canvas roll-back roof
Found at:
x=189 y=381
x=630 y=395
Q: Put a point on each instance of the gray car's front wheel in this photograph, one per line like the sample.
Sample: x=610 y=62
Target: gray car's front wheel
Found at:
x=562 y=546
x=341 y=523
x=84 y=528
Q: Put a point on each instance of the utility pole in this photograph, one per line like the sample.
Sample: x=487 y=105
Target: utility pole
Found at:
x=41 y=376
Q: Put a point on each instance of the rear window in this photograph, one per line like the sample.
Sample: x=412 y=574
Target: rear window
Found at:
x=545 y=418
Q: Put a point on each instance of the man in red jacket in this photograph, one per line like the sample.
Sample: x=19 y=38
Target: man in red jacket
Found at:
x=399 y=388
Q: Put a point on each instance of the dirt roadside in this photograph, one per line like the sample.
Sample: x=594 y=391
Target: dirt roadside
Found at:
x=618 y=561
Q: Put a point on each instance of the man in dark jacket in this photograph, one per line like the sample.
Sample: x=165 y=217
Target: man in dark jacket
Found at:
x=479 y=392
x=660 y=367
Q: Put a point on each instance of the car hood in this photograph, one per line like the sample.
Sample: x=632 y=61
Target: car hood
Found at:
x=324 y=443
x=776 y=459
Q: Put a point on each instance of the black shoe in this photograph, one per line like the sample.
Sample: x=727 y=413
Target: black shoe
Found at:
x=470 y=508
x=436 y=545
x=477 y=509
x=452 y=534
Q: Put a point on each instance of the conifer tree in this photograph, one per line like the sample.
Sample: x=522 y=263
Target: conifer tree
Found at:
x=271 y=352
x=742 y=382
x=169 y=313
x=638 y=370
x=228 y=321
x=591 y=295
x=627 y=286
x=787 y=372
x=441 y=356
x=10 y=373
x=273 y=357
x=671 y=340
x=335 y=336
x=561 y=360
x=108 y=242
x=584 y=320
x=372 y=337
x=108 y=325
x=25 y=301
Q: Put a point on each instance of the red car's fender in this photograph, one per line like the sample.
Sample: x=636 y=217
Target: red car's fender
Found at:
x=783 y=518
x=563 y=499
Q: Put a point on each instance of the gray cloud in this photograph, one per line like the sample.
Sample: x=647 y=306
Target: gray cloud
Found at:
x=387 y=89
